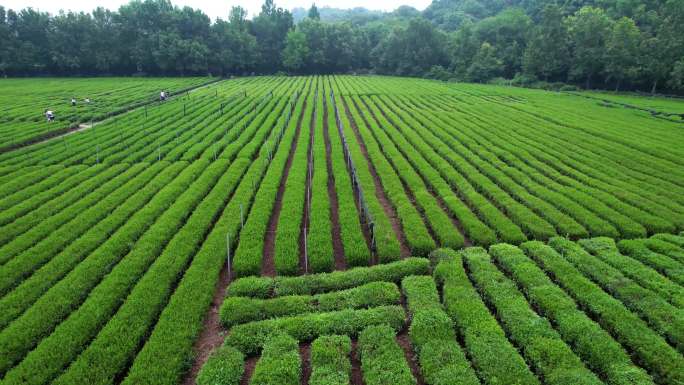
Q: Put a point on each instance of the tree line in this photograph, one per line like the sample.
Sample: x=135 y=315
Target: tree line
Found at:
x=634 y=44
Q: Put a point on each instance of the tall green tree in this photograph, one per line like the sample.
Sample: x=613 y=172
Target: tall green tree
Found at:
x=295 y=52
x=486 y=64
x=622 y=52
x=546 y=55
x=589 y=30
x=270 y=28
x=313 y=13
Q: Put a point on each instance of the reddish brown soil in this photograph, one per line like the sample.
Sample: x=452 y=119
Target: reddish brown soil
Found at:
x=250 y=363
x=267 y=261
x=379 y=192
x=403 y=341
x=305 y=356
x=356 y=374
x=211 y=336
x=338 y=249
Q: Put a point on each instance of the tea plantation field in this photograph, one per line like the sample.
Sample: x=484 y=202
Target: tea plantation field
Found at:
x=339 y=230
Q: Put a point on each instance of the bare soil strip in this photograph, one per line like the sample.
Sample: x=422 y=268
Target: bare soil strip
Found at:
x=338 y=248
x=305 y=356
x=403 y=341
x=267 y=261
x=250 y=363
x=379 y=192
x=356 y=374
x=211 y=337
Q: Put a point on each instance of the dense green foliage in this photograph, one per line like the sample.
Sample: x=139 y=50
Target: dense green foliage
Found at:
x=635 y=44
x=129 y=249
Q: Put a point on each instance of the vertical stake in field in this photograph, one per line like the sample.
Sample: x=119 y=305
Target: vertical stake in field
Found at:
x=306 y=254
x=228 y=253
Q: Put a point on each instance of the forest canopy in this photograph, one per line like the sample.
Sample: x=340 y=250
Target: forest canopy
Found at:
x=633 y=44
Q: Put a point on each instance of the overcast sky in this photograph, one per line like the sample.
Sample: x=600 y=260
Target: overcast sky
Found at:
x=212 y=8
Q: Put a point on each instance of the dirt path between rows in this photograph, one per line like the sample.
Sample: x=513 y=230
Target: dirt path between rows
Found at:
x=250 y=364
x=379 y=192
x=305 y=357
x=212 y=336
x=267 y=260
x=338 y=248
x=356 y=373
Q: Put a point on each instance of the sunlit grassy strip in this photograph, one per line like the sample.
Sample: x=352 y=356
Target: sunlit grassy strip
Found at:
x=432 y=335
x=356 y=252
x=75 y=332
x=663 y=317
x=145 y=187
x=465 y=161
x=249 y=252
x=626 y=225
x=593 y=344
x=22 y=202
x=57 y=303
x=319 y=242
x=250 y=337
x=637 y=249
x=330 y=363
x=440 y=223
x=537 y=186
x=116 y=344
x=287 y=248
x=610 y=135
x=224 y=367
x=533 y=334
x=101 y=174
x=386 y=242
x=519 y=188
x=650 y=350
x=382 y=360
x=562 y=222
x=30 y=179
x=266 y=287
x=483 y=113
x=594 y=164
x=33 y=249
x=567 y=150
x=417 y=236
x=492 y=355
x=597 y=171
x=443 y=159
x=168 y=351
x=603 y=203
x=606 y=250
x=477 y=231
x=279 y=363
x=239 y=310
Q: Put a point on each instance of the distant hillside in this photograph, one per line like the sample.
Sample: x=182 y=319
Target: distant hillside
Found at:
x=333 y=15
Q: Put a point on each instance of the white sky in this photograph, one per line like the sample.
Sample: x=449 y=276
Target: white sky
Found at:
x=213 y=8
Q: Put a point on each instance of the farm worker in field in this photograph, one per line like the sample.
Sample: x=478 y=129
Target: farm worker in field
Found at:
x=87 y=100
x=49 y=115
x=162 y=96
x=73 y=102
